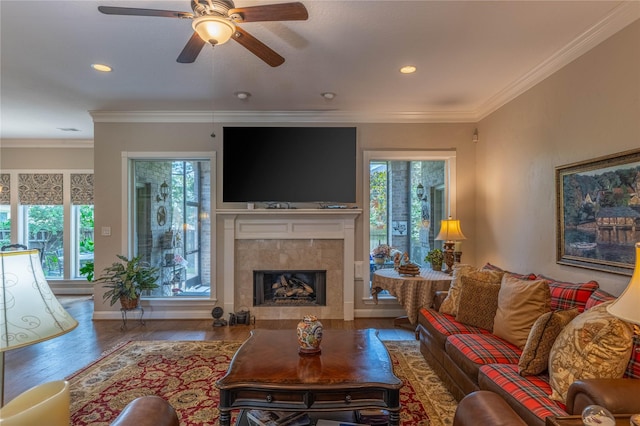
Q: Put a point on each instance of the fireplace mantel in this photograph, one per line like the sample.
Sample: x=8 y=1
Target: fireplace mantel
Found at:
x=286 y=224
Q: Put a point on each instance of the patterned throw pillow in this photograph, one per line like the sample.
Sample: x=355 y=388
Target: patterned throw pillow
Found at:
x=520 y=304
x=535 y=355
x=597 y=297
x=566 y=295
x=452 y=301
x=478 y=302
x=594 y=345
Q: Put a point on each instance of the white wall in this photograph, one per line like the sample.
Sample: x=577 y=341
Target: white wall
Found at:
x=113 y=138
x=589 y=109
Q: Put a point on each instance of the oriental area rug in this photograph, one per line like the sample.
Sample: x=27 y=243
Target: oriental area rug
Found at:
x=184 y=373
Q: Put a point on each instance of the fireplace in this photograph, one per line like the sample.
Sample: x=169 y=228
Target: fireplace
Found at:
x=289 y=288
x=300 y=239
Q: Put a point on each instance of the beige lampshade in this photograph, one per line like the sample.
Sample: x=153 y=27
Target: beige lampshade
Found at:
x=46 y=404
x=627 y=306
x=213 y=29
x=29 y=311
x=450 y=230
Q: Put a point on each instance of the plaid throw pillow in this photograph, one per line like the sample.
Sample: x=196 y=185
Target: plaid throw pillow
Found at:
x=566 y=295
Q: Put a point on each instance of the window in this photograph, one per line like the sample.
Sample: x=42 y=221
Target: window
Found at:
x=40 y=198
x=43 y=202
x=5 y=209
x=172 y=226
x=409 y=193
x=82 y=238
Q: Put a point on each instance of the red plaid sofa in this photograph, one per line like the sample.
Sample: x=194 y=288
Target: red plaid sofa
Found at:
x=468 y=358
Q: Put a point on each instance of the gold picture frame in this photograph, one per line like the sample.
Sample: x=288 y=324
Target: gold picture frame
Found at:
x=598 y=212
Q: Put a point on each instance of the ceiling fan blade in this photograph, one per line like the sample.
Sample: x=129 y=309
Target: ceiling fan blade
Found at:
x=111 y=10
x=257 y=47
x=191 y=49
x=271 y=12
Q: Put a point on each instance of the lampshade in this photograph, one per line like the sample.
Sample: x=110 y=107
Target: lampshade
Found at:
x=213 y=29
x=627 y=306
x=29 y=311
x=46 y=404
x=450 y=230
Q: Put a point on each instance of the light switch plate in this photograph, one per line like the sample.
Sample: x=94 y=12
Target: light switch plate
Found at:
x=358 y=269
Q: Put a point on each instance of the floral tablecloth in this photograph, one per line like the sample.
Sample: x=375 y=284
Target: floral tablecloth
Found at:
x=412 y=292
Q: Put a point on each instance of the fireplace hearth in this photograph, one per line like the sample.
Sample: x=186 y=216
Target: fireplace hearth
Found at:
x=289 y=288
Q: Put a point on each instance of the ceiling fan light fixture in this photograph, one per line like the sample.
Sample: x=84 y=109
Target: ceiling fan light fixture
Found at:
x=213 y=29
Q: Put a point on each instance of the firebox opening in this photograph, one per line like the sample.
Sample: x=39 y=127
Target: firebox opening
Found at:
x=289 y=288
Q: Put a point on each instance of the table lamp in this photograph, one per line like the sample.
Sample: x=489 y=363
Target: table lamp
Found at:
x=29 y=311
x=450 y=232
x=626 y=305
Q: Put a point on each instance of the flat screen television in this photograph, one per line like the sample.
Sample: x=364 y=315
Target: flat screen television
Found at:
x=289 y=164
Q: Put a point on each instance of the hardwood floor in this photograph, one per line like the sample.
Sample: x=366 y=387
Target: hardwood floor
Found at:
x=57 y=358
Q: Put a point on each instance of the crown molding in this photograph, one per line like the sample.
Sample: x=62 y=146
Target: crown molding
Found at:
x=623 y=15
x=332 y=116
x=46 y=143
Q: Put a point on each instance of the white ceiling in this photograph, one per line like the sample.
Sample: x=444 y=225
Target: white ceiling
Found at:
x=472 y=57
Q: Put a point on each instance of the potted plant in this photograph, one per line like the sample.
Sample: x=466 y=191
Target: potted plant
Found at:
x=127 y=279
x=86 y=270
x=435 y=257
x=381 y=253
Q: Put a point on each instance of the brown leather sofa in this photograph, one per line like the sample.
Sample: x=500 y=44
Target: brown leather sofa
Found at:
x=620 y=396
x=147 y=411
x=485 y=407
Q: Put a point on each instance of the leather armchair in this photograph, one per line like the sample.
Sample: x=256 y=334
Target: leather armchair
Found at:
x=147 y=411
x=485 y=408
x=620 y=396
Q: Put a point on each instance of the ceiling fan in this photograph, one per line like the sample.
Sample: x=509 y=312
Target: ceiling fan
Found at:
x=214 y=22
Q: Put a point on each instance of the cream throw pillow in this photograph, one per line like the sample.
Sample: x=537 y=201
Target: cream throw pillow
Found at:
x=535 y=355
x=451 y=303
x=594 y=345
x=520 y=304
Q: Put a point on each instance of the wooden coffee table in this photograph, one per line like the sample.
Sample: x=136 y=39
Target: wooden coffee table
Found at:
x=352 y=372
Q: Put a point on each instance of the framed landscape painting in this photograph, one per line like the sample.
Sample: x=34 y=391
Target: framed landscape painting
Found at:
x=598 y=212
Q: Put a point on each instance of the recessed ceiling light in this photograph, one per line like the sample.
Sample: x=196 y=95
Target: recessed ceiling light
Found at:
x=242 y=95
x=328 y=95
x=408 y=69
x=101 y=67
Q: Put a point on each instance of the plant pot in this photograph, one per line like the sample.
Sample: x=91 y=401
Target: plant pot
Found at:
x=436 y=266
x=128 y=304
x=378 y=260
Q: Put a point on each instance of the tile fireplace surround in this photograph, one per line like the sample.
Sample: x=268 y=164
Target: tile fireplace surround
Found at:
x=268 y=239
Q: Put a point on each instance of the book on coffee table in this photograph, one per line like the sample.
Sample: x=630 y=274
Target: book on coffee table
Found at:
x=373 y=417
x=277 y=418
x=323 y=422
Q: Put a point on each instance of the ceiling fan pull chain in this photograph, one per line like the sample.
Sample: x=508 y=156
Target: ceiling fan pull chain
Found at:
x=213 y=94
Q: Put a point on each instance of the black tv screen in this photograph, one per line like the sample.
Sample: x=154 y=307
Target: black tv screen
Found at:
x=289 y=164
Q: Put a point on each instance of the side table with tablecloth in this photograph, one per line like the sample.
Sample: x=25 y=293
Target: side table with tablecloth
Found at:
x=412 y=293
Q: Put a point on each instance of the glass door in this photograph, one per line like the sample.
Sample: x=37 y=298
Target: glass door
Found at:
x=172 y=224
